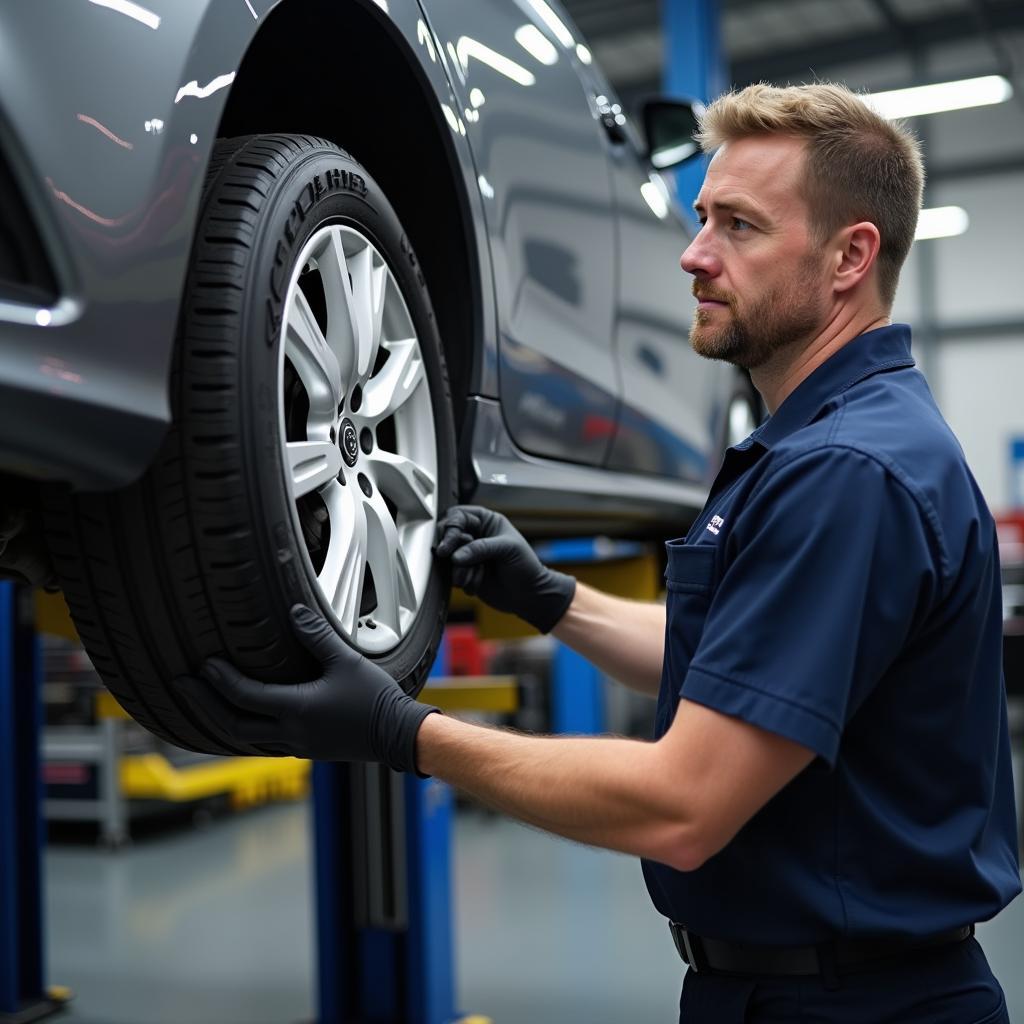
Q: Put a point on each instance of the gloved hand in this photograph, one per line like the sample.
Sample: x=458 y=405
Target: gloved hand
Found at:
x=492 y=560
x=355 y=711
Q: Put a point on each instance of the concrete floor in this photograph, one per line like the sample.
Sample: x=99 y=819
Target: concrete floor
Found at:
x=214 y=926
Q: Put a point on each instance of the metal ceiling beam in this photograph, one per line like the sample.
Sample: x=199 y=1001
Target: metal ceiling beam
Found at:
x=1005 y=57
x=599 y=19
x=810 y=59
x=996 y=166
x=895 y=23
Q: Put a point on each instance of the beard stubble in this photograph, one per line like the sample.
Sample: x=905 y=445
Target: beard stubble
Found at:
x=787 y=315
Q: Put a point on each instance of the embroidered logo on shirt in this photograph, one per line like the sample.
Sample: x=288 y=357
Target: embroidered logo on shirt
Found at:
x=717 y=522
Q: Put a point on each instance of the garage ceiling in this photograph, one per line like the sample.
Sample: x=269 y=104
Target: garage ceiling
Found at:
x=794 y=40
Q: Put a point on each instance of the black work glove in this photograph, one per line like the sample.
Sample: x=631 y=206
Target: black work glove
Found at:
x=355 y=711
x=492 y=560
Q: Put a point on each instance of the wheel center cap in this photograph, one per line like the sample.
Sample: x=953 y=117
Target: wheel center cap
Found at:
x=349 y=443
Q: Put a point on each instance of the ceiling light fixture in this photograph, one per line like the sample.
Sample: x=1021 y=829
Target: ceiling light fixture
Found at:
x=932 y=99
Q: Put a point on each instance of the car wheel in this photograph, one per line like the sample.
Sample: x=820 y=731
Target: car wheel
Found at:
x=311 y=452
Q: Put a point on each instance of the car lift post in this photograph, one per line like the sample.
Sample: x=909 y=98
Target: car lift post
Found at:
x=22 y=998
x=695 y=68
x=383 y=888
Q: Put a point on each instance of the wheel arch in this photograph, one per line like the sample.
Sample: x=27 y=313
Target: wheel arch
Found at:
x=308 y=53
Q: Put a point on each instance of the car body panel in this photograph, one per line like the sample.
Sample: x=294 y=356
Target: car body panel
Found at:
x=543 y=166
x=110 y=145
x=119 y=200
x=534 y=492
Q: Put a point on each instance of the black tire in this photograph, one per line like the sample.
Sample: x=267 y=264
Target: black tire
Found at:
x=202 y=557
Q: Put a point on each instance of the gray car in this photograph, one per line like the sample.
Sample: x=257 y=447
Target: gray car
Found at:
x=280 y=281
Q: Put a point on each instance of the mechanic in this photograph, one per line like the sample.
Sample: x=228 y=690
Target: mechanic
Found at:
x=828 y=807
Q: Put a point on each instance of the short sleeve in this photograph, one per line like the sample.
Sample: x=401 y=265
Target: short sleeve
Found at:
x=827 y=569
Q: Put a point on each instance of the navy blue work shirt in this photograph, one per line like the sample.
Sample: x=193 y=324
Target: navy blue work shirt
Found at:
x=841 y=589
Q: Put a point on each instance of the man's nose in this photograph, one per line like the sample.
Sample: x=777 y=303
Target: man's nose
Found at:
x=699 y=257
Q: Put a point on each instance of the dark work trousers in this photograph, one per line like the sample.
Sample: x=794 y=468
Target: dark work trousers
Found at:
x=952 y=985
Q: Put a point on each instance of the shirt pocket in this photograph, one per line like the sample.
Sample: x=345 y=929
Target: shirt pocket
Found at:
x=691 y=568
x=690 y=580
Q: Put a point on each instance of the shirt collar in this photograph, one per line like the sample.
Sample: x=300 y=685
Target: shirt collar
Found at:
x=885 y=348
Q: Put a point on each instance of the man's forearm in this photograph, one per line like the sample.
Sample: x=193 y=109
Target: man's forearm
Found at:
x=599 y=791
x=625 y=639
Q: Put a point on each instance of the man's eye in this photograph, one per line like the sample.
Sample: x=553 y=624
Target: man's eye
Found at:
x=739 y=224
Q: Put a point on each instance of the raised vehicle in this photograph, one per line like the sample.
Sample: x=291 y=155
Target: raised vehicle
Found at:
x=281 y=281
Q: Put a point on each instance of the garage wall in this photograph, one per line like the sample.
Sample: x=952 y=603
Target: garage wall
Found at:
x=981 y=391
x=975 y=359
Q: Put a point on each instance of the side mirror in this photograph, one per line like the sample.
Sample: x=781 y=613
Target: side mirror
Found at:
x=669 y=127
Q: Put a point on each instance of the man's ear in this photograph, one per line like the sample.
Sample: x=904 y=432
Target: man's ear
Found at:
x=856 y=252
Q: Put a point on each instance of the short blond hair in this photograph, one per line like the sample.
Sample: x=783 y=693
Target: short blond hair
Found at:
x=859 y=167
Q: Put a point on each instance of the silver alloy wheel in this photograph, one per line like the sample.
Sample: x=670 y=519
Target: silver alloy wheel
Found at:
x=742 y=419
x=358 y=437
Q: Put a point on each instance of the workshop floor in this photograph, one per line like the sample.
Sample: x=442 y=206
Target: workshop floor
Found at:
x=213 y=926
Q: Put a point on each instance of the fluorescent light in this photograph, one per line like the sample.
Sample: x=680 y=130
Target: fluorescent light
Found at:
x=931 y=99
x=476 y=97
x=941 y=222
x=536 y=44
x=468 y=47
x=553 y=22
x=584 y=54
x=148 y=18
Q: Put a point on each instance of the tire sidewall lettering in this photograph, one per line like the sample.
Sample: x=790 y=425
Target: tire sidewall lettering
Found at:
x=332 y=181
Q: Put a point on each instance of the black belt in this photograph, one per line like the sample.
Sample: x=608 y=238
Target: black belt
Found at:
x=840 y=956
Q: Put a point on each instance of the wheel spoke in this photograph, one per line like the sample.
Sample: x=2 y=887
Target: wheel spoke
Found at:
x=387 y=535
x=342 y=329
x=400 y=376
x=391 y=575
x=312 y=357
x=345 y=566
x=312 y=464
x=369 y=276
x=408 y=485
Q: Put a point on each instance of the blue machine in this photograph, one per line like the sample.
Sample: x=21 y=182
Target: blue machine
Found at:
x=22 y=995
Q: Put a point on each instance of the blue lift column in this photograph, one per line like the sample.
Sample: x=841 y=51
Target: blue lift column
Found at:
x=695 y=68
x=22 y=998
x=383 y=894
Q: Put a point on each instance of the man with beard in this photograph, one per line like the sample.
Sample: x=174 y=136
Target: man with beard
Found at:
x=828 y=806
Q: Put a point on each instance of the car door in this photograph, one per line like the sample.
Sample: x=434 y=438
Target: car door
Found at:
x=543 y=171
x=671 y=416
